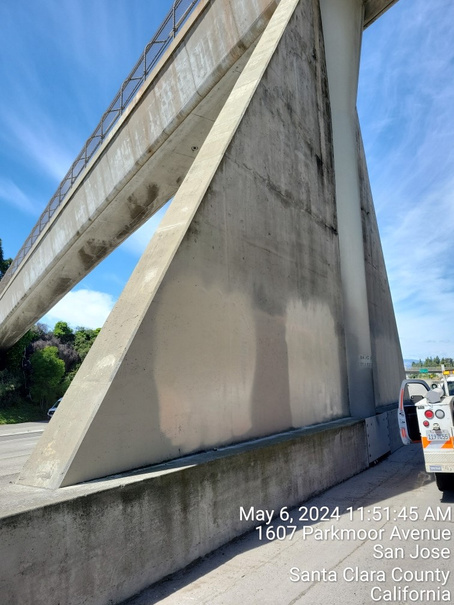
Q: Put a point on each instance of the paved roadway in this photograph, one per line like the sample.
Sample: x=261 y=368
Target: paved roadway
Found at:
x=250 y=571
x=16 y=444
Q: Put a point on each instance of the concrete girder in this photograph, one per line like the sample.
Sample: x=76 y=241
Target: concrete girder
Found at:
x=373 y=9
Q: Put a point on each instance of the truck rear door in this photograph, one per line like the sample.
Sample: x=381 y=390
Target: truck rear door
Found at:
x=411 y=391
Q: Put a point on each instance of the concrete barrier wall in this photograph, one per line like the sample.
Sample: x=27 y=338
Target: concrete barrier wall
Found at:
x=100 y=543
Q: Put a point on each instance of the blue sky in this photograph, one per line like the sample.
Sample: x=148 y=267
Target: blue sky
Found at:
x=62 y=61
x=406 y=108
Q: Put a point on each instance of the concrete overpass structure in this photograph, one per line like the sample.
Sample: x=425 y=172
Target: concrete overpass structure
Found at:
x=228 y=330
x=259 y=315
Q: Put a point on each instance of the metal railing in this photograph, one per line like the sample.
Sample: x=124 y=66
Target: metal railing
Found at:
x=153 y=51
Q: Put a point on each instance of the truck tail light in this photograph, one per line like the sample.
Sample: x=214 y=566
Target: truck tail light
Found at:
x=429 y=414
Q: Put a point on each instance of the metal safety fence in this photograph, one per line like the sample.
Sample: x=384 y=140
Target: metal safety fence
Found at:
x=153 y=51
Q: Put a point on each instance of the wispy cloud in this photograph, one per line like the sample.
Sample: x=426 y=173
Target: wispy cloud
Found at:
x=40 y=143
x=406 y=101
x=87 y=308
x=419 y=251
x=12 y=195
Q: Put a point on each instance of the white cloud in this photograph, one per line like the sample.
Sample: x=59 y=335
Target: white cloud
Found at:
x=87 y=308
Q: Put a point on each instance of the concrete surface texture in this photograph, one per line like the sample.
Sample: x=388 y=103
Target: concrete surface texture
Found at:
x=364 y=566
x=342 y=28
x=103 y=541
x=232 y=325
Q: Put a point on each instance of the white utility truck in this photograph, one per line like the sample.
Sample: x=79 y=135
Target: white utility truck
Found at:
x=426 y=415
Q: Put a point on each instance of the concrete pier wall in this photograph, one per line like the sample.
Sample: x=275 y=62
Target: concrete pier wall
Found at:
x=231 y=326
x=388 y=367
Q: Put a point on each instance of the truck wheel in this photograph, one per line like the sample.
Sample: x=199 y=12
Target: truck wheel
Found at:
x=445 y=481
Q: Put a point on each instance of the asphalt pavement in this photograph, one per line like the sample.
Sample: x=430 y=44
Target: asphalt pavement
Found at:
x=16 y=444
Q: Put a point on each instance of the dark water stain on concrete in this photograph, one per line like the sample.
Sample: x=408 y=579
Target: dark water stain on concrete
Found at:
x=92 y=252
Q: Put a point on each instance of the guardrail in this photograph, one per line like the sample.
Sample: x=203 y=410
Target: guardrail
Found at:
x=153 y=51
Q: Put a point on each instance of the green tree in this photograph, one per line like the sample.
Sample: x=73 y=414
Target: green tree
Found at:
x=16 y=354
x=63 y=332
x=69 y=377
x=83 y=340
x=9 y=388
x=47 y=373
x=4 y=262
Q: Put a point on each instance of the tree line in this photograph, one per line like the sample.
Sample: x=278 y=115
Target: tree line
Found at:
x=4 y=262
x=41 y=365
x=432 y=362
